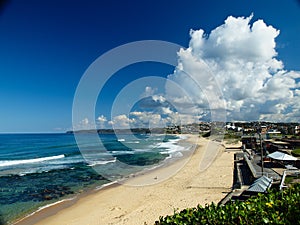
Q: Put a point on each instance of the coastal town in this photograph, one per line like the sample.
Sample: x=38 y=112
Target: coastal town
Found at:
x=266 y=154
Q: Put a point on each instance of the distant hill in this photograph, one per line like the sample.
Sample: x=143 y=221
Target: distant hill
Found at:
x=121 y=131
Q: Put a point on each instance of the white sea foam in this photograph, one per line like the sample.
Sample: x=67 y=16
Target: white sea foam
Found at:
x=94 y=163
x=28 y=161
x=67 y=160
x=121 y=139
x=178 y=155
x=121 y=152
x=133 y=142
x=173 y=149
x=143 y=149
x=106 y=185
x=41 y=169
x=171 y=146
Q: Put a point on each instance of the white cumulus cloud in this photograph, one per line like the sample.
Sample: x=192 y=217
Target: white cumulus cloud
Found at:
x=235 y=68
x=101 y=119
x=121 y=121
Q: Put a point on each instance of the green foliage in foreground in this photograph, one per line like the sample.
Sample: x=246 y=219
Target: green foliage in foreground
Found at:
x=276 y=207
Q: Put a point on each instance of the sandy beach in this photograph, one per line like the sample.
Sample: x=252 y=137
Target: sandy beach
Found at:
x=142 y=199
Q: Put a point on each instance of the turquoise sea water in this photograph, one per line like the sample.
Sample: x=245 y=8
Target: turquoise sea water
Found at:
x=40 y=169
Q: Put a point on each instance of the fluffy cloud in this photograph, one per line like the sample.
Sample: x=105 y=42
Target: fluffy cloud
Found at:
x=85 y=121
x=160 y=117
x=149 y=91
x=235 y=68
x=101 y=119
x=121 y=121
x=137 y=119
x=84 y=124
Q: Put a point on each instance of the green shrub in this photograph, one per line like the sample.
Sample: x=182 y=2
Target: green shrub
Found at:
x=296 y=152
x=207 y=134
x=276 y=207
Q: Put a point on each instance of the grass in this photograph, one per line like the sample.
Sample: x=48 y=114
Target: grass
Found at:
x=231 y=135
x=232 y=141
x=296 y=152
x=288 y=180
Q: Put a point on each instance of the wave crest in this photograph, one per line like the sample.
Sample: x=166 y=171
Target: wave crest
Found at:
x=28 y=161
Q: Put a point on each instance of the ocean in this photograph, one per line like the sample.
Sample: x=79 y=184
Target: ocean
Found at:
x=37 y=170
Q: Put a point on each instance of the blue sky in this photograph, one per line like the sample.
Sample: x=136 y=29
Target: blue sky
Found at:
x=46 y=46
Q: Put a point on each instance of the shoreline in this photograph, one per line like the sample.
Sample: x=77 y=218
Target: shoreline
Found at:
x=153 y=190
x=53 y=208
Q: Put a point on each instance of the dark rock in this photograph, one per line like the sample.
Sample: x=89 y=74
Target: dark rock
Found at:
x=47 y=197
